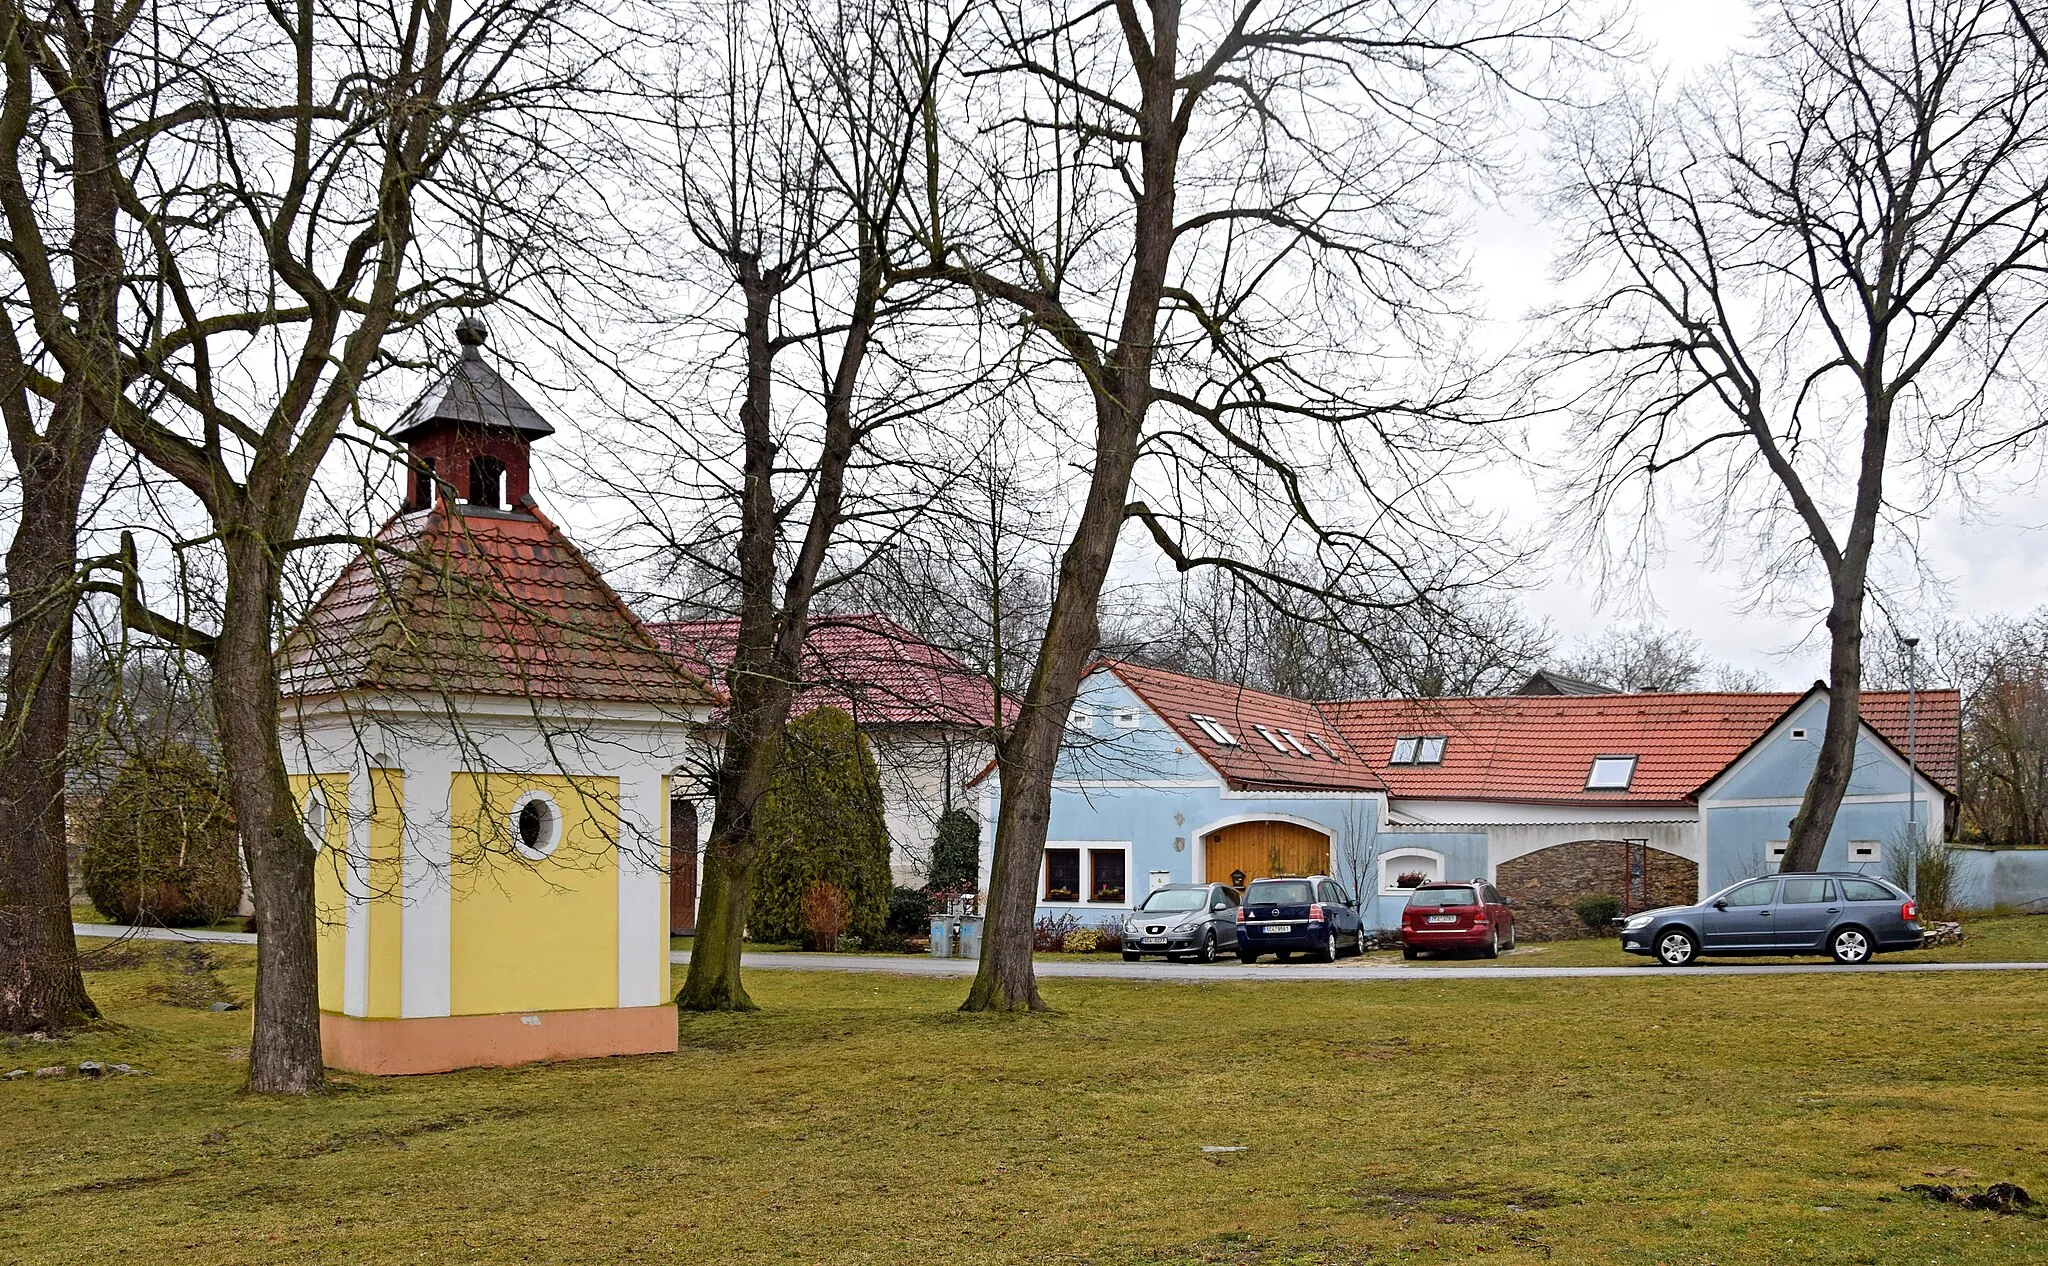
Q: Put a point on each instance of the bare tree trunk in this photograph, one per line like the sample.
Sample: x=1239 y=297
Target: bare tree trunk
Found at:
x=1029 y=757
x=1836 y=761
x=284 y=1057
x=41 y=989
x=40 y=985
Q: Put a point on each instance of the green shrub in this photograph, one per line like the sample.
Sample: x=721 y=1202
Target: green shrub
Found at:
x=1083 y=941
x=910 y=912
x=160 y=845
x=956 y=854
x=1596 y=908
x=821 y=824
x=1931 y=868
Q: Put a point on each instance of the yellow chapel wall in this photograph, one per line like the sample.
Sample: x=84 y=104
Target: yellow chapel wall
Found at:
x=533 y=935
x=330 y=894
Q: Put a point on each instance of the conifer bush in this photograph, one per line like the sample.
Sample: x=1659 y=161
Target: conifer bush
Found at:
x=821 y=824
x=956 y=853
x=160 y=845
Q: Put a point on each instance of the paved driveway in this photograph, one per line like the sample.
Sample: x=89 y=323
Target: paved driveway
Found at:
x=1186 y=973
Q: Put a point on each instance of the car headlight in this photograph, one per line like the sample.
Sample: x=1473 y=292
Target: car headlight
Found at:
x=1638 y=923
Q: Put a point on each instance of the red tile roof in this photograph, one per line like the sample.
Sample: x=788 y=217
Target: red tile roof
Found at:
x=868 y=665
x=1253 y=764
x=1541 y=748
x=462 y=600
x=1512 y=748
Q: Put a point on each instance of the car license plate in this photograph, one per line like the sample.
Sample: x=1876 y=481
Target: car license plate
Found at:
x=1153 y=940
x=1443 y=918
x=1280 y=927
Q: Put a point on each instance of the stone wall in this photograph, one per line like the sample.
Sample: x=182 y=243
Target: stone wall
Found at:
x=1543 y=884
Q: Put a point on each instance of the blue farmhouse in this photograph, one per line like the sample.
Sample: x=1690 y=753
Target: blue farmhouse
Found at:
x=1653 y=798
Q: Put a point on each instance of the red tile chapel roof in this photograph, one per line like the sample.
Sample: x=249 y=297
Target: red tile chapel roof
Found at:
x=463 y=600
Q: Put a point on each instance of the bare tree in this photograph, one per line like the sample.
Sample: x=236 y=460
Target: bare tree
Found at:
x=60 y=146
x=364 y=166
x=1813 y=279
x=1207 y=210
x=1642 y=656
x=788 y=134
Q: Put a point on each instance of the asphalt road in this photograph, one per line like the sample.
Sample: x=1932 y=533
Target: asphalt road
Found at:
x=1192 y=973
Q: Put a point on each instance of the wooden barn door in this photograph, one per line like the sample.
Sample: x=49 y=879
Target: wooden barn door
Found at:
x=1263 y=849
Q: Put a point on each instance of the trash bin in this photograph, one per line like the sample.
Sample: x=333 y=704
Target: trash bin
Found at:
x=942 y=936
x=970 y=937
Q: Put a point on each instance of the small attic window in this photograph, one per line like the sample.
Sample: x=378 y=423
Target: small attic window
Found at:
x=1418 y=749
x=1080 y=719
x=1296 y=744
x=1213 y=728
x=1430 y=751
x=1404 y=751
x=1125 y=718
x=1272 y=738
x=1799 y=735
x=1328 y=751
x=1611 y=773
x=487 y=482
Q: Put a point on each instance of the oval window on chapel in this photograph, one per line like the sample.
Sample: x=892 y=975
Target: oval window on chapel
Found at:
x=536 y=825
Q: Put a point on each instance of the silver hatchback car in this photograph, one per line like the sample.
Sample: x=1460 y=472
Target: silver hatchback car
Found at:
x=1193 y=920
x=1847 y=915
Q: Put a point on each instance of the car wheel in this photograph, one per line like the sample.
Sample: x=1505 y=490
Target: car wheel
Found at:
x=1329 y=954
x=1131 y=956
x=1408 y=952
x=1492 y=949
x=1850 y=945
x=1359 y=943
x=1511 y=937
x=1205 y=951
x=1676 y=948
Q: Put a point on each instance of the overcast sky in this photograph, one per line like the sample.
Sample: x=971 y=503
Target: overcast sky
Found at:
x=1988 y=557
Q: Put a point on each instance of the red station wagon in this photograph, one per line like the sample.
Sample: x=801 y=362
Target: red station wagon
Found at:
x=1468 y=916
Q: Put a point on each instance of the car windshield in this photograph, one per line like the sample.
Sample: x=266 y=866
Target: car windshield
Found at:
x=1170 y=900
x=1292 y=892
x=1437 y=898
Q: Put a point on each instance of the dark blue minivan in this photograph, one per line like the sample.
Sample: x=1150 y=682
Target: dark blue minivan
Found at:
x=1285 y=917
x=1846 y=915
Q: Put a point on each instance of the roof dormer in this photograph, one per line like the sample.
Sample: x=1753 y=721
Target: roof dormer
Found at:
x=470 y=433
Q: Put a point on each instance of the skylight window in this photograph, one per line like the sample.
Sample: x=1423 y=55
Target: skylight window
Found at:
x=1272 y=738
x=1214 y=729
x=1296 y=743
x=1611 y=773
x=1328 y=751
x=1418 y=749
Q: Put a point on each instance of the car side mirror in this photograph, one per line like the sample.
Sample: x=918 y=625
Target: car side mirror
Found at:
x=1720 y=905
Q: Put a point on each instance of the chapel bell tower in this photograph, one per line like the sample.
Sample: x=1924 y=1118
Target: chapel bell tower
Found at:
x=470 y=435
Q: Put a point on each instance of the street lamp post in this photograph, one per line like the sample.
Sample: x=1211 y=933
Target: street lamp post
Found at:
x=1912 y=766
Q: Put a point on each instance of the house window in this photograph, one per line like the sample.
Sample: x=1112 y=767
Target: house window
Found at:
x=1404 y=751
x=1272 y=738
x=1865 y=852
x=1423 y=749
x=1080 y=719
x=1611 y=773
x=1328 y=751
x=1430 y=751
x=1106 y=870
x=1409 y=868
x=1094 y=874
x=1063 y=874
x=1799 y=736
x=1777 y=849
x=314 y=817
x=1125 y=718
x=1214 y=729
x=1296 y=744
x=487 y=482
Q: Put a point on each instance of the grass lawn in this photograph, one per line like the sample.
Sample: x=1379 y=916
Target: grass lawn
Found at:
x=859 y=1119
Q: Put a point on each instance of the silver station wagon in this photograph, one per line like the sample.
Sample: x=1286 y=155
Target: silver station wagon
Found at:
x=1846 y=915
